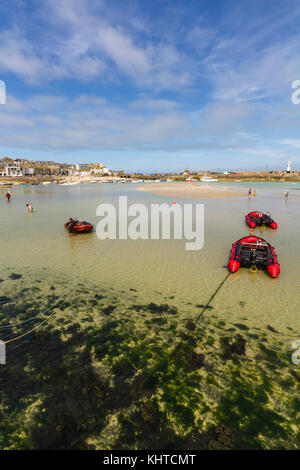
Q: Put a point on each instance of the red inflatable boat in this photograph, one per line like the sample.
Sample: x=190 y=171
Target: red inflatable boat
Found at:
x=253 y=252
x=73 y=225
x=259 y=218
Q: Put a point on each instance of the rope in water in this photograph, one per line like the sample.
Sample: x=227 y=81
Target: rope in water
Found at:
x=30 y=331
x=61 y=301
x=183 y=340
x=211 y=298
x=198 y=318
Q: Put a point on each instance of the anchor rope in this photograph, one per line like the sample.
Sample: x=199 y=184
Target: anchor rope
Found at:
x=211 y=298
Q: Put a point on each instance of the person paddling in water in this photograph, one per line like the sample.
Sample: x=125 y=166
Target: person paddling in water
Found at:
x=29 y=207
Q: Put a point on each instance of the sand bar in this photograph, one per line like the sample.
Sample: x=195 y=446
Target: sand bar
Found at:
x=187 y=190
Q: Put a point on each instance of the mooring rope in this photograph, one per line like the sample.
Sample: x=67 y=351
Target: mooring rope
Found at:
x=30 y=331
x=211 y=298
x=56 y=305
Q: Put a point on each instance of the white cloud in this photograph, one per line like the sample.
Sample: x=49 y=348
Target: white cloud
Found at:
x=91 y=123
x=145 y=103
x=228 y=117
x=244 y=67
x=80 y=42
x=258 y=57
x=17 y=56
x=295 y=143
x=201 y=37
x=85 y=123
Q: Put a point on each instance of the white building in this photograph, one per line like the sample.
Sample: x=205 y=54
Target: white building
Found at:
x=28 y=171
x=100 y=171
x=288 y=168
x=82 y=166
x=11 y=169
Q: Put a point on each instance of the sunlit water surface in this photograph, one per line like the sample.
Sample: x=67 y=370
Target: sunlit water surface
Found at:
x=37 y=247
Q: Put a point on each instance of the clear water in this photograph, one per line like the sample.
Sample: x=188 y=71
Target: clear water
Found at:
x=129 y=303
x=38 y=247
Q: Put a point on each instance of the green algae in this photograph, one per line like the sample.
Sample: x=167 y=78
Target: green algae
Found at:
x=102 y=375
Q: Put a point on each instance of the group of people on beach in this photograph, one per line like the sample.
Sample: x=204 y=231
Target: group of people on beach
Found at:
x=286 y=196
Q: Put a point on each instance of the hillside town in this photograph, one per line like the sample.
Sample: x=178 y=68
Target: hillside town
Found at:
x=24 y=169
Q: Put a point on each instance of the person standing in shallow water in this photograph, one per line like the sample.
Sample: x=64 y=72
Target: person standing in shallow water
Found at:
x=29 y=207
x=7 y=195
x=249 y=192
x=254 y=193
x=286 y=196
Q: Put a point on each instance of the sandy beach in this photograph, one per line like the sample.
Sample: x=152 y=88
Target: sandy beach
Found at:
x=192 y=191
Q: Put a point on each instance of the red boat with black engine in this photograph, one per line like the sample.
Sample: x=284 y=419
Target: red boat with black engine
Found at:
x=256 y=218
x=74 y=226
x=253 y=252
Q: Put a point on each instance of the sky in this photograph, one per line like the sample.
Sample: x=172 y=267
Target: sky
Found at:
x=151 y=86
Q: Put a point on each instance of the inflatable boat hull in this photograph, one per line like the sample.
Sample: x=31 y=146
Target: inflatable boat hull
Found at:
x=79 y=227
x=256 y=218
x=253 y=251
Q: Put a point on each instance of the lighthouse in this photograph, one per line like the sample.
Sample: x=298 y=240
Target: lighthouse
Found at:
x=288 y=168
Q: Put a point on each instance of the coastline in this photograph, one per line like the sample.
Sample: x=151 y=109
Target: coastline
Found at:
x=58 y=179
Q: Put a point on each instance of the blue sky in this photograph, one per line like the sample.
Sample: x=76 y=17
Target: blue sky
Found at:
x=154 y=85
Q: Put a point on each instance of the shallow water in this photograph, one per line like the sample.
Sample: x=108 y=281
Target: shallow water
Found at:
x=80 y=280
x=37 y=246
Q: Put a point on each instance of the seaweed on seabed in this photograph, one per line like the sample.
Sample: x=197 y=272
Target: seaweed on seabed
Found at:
x=4 y=300
x=155 y=308
x=245 y=407
x=207 y=307
x=217 y=437
x=108 y=310
x=231 y=349
x=194 y=360
x=270 y=328
x=73 y=395
x=123 y=368
x=190 y=325
x=15 y=276
x=146 y=427
x=241 y=326
x=64 y=305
